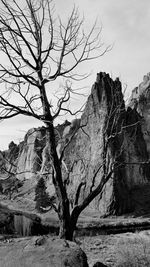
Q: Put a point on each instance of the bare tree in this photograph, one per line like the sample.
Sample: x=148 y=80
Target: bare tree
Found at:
x=37 y=49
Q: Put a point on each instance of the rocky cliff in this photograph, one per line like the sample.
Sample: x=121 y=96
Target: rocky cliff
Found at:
x=126 y=148
x=107 y=135
x=140 y=101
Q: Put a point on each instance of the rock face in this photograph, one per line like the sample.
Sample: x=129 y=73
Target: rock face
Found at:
x=126 y=146
x=140 y=101
x=30 y=153
x=107 y=135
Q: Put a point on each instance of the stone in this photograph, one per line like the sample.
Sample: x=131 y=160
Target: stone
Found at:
x=40 y=241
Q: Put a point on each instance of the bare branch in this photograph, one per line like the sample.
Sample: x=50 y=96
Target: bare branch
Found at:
x=39 y=50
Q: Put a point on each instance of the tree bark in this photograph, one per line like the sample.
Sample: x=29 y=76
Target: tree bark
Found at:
x=68 y=224
x=65 y=230
x=60 y=189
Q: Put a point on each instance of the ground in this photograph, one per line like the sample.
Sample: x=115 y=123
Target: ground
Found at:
x=40 y=252
x=120 y=250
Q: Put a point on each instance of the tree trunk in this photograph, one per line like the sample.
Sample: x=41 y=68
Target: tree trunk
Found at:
x=68 y=224
x=66 y=231
x=65 y=228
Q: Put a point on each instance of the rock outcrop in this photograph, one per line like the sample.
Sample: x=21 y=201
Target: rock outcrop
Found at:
x=140 y=101
x=30 y=153
x=126 y=147
x=107 y=135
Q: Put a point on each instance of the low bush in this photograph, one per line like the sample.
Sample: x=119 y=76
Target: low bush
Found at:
x=42 y=198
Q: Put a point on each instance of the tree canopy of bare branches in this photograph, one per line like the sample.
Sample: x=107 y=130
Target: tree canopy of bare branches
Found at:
x=37 y=48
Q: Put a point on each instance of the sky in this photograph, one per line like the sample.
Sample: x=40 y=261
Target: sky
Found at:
x=125 y=26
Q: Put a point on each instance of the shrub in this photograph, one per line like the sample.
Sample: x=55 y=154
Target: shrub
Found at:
x=42 y=198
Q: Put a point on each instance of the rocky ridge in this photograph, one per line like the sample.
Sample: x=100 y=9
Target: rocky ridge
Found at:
x=128 y=147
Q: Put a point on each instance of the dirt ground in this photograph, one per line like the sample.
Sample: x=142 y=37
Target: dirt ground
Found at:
x=119 y=250
x=41 y=251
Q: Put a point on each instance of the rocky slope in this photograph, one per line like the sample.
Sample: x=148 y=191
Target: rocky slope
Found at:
x=109 y=134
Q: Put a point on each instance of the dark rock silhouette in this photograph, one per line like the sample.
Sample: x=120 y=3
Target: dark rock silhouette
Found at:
x=99 y=264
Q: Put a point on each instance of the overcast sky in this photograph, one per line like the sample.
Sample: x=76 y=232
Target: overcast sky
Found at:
x=126 y=26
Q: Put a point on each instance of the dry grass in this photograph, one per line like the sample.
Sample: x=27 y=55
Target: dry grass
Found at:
x=135 y=251
x=120 y=250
